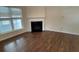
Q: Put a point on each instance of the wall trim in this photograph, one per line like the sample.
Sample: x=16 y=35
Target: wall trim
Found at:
x=64 y=32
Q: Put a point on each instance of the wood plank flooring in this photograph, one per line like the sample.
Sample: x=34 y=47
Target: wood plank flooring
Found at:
x=41 y=42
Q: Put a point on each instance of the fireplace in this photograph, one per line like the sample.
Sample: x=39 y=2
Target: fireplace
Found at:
x=36 y=26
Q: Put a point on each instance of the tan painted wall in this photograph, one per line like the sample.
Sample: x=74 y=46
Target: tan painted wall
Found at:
x=35 y=11
x=61 y=19
x=71 y=19
x=53 y=19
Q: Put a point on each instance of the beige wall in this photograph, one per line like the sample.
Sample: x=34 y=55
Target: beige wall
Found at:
x=61 y=19
x=35 y=11
x=53 y=19
x=71 y=20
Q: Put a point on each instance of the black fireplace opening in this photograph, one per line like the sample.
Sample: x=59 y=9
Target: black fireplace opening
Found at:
x=36 y=26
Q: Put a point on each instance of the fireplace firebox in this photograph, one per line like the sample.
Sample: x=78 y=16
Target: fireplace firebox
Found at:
x=36 y=26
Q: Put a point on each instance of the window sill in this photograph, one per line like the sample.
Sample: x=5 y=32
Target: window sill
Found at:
x=10 y=32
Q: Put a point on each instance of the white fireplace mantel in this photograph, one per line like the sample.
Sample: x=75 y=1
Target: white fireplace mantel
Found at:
x=34 y=20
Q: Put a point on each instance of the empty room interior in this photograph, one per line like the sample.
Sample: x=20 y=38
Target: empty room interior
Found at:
x=39 y=28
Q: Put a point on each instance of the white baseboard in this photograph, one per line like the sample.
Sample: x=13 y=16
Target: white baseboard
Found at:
x=61 y=32
x=64 y=32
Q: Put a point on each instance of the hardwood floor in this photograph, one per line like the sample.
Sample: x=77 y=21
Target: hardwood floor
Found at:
x=41 y=42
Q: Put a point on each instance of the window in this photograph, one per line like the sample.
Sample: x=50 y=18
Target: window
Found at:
x=4 y=12
x=17 y=23
x=16 y=12
x=5 y=26
x=10 y=19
